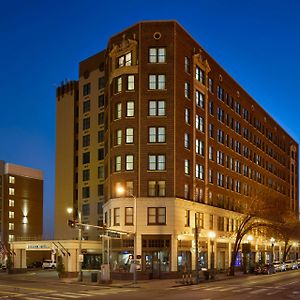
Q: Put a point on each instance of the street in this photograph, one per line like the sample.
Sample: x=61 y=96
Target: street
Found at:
x=42 y=285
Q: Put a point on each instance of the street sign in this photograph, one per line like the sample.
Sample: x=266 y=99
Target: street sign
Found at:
x=80 y=258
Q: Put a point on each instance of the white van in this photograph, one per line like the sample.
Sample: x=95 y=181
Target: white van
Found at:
x=48 y=264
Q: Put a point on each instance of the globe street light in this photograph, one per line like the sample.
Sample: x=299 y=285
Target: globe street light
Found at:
x=121 y=191
x=79 y=258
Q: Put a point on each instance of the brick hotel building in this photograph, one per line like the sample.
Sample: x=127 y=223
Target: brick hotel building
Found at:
x=155 y=114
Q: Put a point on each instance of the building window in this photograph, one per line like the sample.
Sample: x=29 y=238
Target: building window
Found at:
x=220 y=93
x=237 y=127
x=200 y=75
x=210 y=176
x=199 y=172
x=200 y=219
x=118 y=86
x=130 y=82
x=101 y=101
x=220 y=114
x=118 y=163
x=86 y=89
x=187 y=218
x=117 y=216
x=210 y=85
x=187 y=65
x=157 y=55
x=156 y=215
x=186 y=167
x=101 y=154
x=157 y=82
x=237 y=186
x=11 y=203
x=220 y=179
x=157 y=108
x=11 y=226
x=101 y=83
x=129 y=136
x=11 y=191
x=100 y=190
x=237 y=107
x=129 y=162
x=199 y=147
x=86 y=157
x=86 y=140
x=220 y=157
x=186 y=141
x=157 y=162
x=211 y=130
x=129 y=188
x=125 y=60
x=187 y=116
x=11 y=214
x=187 y=90
x=11 y=237
x=101 y=136
x=86 y=123
x=118 y=137
x=156 y=188
x=130 y=109
x=186 y=191
x=128 y=215
x=85 y=209
x=118 y=111
x=211 y=107
x=199 y=123
x=86 y=192
x=101 y=118
x=157 y=135
x=100 y=208
x=211 y=153
x=86 y=175
x=220 y=136
x=211 y=222
x=101 y=172
x=11 y=179
x=199 y=99
x=86 y=106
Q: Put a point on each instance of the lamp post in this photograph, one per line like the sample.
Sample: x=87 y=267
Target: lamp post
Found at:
x=121 y=191
x=211 y=236
x=79 y=258
x=272 y=240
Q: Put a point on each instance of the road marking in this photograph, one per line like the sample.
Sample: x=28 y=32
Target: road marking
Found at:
x=296 y=292
x=86 y=294
x=227 y=289
x=213 y=288
x=49 y=297
x=242 y=290
x=258 y=291
x=274 y=292
x=65 y=295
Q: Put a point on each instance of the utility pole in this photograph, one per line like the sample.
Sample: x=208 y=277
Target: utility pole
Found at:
x=197 y=248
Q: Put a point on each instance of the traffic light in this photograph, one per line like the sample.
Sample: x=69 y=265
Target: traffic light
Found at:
x=71 y=223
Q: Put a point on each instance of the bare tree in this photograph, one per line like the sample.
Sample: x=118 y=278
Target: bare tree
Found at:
x=262 y=212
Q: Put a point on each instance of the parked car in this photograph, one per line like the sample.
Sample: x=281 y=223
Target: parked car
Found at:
x=3 y=267
x=48 y=264
x=279 y=266
x=291 y=265
x=265 y=269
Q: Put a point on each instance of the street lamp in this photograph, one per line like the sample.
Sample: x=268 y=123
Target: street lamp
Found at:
x=121 y=191
x=211 y=236
x=272 y=240
x=70 y=210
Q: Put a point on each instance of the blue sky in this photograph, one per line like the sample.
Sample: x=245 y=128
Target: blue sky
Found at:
x=41 y=43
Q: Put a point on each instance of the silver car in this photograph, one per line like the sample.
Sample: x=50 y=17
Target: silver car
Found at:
x=279 y=266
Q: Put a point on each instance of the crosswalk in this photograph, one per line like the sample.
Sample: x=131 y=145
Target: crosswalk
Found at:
x=58 y=295
x=252 y=290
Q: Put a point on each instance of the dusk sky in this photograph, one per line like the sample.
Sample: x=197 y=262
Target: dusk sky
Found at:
x=42 y=42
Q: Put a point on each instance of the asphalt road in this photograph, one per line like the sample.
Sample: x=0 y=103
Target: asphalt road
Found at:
x=44 y=285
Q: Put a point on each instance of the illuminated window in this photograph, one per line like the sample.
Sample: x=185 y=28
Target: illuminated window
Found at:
x=129 y=162
x=117 y=216
x=130 y=109
x=157 y=55
x=130 y=82
x=119 y=137
x=118 y=163
x=157 y=108
x=11 y=237
x=11 y=203
x=11 y=226
x=125 y=60
x=11 y=214
x=187 y=218
x=118 y=86
x=11 y=179
x=11 y=191
x=156 y=215
x=129 y=136
x=118 y=111
x=157 y=82
x=128 y=215
x=157 y=162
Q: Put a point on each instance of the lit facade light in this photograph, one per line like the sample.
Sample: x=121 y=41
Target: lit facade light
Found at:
x=69 y=210
x=250 y=238
x=211 y=234
x=25 y=220
x=272 y=240
x=120 y=190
